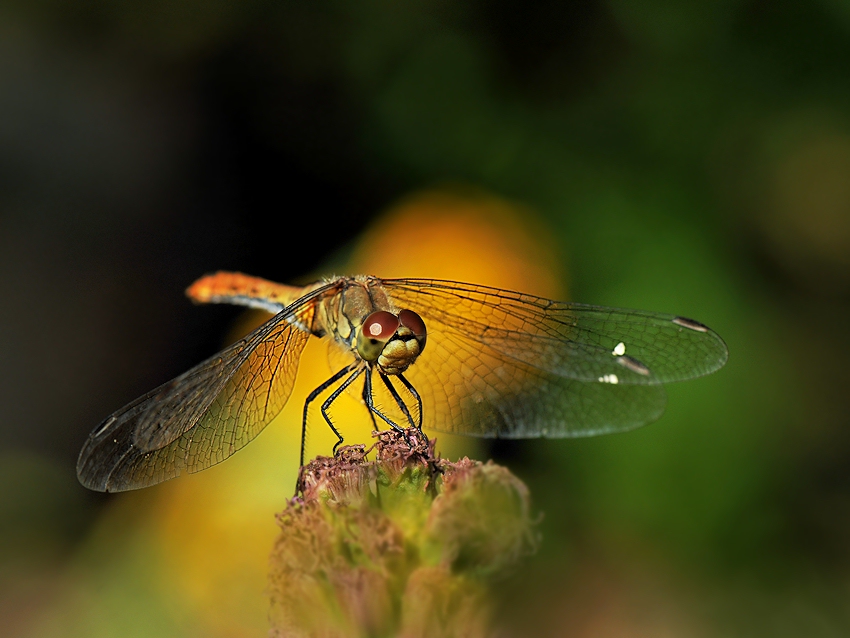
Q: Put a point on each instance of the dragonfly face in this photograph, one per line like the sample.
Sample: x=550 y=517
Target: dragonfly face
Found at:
x=391 y=342
x=498 y=364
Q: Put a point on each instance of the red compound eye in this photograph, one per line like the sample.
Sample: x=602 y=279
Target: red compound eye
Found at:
x=380 y=325
x=411 y=320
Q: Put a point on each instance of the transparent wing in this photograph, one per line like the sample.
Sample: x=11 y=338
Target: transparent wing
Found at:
x=506 y=364
x=204 y=415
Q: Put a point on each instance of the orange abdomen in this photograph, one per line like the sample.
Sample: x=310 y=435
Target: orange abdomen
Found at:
x=234 y=287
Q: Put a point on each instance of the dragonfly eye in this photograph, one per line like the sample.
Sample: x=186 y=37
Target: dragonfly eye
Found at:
x=411 y=320
x=380 y=325
x=378 y=328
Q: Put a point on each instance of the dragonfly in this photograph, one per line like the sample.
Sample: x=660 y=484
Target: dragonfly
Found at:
x=442 y=355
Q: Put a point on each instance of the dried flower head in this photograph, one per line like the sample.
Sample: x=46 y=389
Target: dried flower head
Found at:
x=405 y=545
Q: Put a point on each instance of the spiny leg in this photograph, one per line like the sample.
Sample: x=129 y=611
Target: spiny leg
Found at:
x=327 y=404
x=370 y=403
x=315 y=393
x=367 y=395
x=399 y=401
x=412 y=390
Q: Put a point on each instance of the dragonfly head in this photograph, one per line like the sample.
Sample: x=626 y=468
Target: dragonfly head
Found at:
x=392 y=341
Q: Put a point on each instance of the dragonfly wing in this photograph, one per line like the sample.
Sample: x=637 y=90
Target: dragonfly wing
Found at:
x=204 y=415
x=500 y=363
x=470 y=388
x=571 y=340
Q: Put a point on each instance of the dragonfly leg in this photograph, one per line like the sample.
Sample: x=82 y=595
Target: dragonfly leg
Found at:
x=367 y=397
x=327 y=404
x=412 y=390
x=370 y=403
x=313 y=395
x=399 y=401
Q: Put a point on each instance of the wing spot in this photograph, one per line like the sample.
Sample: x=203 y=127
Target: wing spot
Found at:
x=619 y=349
x=634 y=365
x=609 y=378
x=690 y=324
x=104 y=426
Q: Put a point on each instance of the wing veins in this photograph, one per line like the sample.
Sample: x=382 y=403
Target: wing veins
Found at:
x=670 y=353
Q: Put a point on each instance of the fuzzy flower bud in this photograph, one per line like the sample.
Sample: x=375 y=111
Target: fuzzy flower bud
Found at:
x=403 y=546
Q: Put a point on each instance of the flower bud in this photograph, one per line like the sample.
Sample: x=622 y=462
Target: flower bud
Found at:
x=405 y=545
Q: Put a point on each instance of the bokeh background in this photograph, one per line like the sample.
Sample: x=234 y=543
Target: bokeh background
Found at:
x=691 y=158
